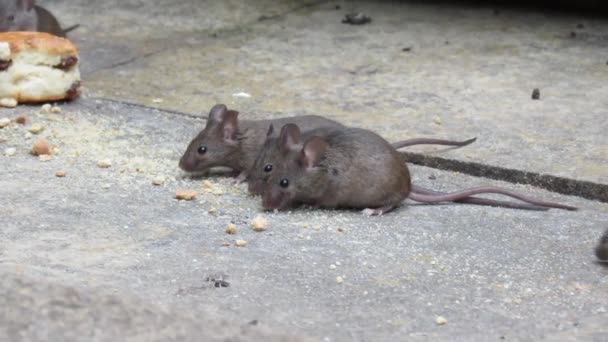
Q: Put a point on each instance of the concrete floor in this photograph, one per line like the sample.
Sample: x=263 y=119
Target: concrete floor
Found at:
x=104 y=254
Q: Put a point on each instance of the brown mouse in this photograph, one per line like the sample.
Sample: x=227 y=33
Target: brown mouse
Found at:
x=230 y=142
x=262 y=167
x=351 y=168
x=601 y=251
x=271 y=152
x=25 y=15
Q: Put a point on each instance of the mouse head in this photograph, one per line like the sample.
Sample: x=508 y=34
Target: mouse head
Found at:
x=17 y=15
x=216 y=145
x=297 y=173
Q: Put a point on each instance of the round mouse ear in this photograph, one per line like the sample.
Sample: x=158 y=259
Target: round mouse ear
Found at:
x=230 y=125
x=289 y=139
x=313 y=152
x=217 y=112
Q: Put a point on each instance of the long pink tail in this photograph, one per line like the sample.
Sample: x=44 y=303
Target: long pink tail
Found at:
x=463 y=194
x=481 y=201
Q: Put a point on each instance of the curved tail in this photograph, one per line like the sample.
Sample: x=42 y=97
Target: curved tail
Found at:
x=463 y=194
x=431 y=141
x=482 y=201
x=73 y=27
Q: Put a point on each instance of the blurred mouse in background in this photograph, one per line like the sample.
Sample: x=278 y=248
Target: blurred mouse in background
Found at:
x=25 y=15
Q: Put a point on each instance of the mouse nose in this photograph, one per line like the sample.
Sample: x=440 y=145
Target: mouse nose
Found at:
x=186 y=164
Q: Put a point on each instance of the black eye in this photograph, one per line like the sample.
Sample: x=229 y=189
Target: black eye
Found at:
x=202 y=150
x=10 y=18
x=268 y=168
x=284 y=183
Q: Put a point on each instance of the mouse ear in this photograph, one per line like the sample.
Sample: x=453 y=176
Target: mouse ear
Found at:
x=230 y=125
x=26 y=4
x=217 y=112
x=270 y=130
x=313 y=151
x=289 y=139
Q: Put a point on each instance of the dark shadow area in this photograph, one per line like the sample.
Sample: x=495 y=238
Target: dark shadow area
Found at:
x=587 y=7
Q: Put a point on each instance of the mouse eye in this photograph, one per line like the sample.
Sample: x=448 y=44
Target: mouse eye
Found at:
x=284 y=183
x=268 y=168
x=202 y=149
x=10 y=18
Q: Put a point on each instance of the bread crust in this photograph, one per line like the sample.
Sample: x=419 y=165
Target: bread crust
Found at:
x=38 y=67
x=38 y=41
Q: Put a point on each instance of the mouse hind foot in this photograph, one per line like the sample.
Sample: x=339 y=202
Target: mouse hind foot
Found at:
x=377 y=211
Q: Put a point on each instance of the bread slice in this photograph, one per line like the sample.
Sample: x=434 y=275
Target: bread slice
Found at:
x=38 y=67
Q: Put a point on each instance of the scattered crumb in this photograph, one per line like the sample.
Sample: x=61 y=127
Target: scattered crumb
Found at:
x=440 y=320
x=9 y=152
x=185 y=194
x=40 y=147
x=339 y=280
x=259 y=223
x=225 y=243
x=157 y=100
x=240 y=243
x=45 y=157
x=8 y=102
x=332 y=267
x=437 y=120
x=242 y=94
x=160 y=180
x=210 y=187
x=4 y=122
x=21 y=119
x=60 y=173
x=212 y=211
x=105 y=186
x=535 y=94
x=36 y=128
x=340 y=229
x=55 y=109
x=104 y=164
x=46 y=108
x=231 y=228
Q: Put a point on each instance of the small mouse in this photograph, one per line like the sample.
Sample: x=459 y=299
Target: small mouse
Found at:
x=351 y=168
x=262 y=167
x=272 y=151
x=25 y=15
x=230 y=142
x=601 y=251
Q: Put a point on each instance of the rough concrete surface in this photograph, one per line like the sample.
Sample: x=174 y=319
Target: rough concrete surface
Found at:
x=103 y=254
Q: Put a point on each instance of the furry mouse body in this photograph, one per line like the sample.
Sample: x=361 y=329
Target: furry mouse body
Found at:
x=229 y=142
x=351 y=168
x=25 y=15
